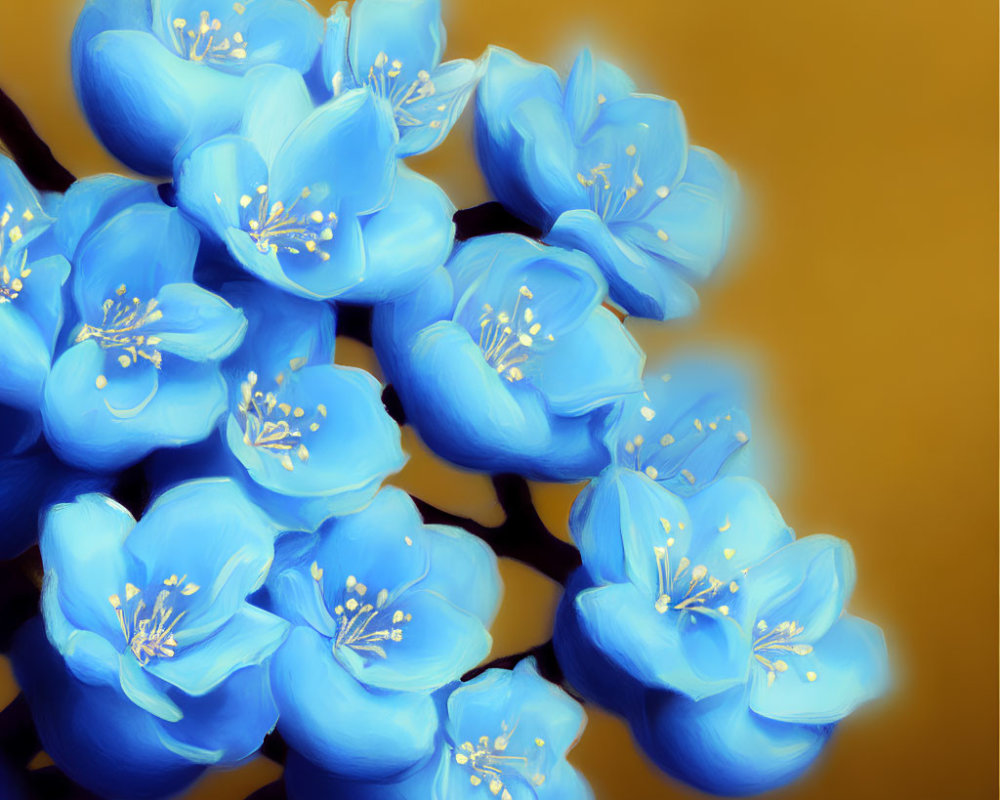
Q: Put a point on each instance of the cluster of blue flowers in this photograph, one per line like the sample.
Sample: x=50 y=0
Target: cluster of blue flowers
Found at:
x=185 y=332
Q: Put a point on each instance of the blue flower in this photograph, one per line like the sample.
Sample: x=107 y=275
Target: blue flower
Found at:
x=666 y=605
x=504 y=734
x=386 y=611
x=312 y=200
x=600 y=168
x=812 y=665
x=159 y=665
x=395 y=46
x=688 y=426
x=506 y=361
x=306 y=439
x=158 y=77
x=141 y=369
x=31 y=307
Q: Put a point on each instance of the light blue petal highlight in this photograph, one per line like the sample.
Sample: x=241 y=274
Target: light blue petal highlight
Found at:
x=427 y=121
x=209 y=531
x=697 y=653
x=405 y=241
x=197 y=325
x=463 y=568
x=408 y=31
x=615 y=363
x=81 y=543
x=337 y=74
x=808 y=582
x=106 y=429
x=247 y=639
x=846 y=668
x=345 y=147
x=337 y=723
x=92 y=200
x=145 y=691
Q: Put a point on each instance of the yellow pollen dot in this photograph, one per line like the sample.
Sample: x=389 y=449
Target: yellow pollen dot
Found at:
x=662 y=235
x=728 y=553
x=741 y=437
x=316 y=571
x=299 y=413
x=630 y=150
x=666 y=439
x=638 y=441
x=652 y=472
x=810 y=676
x=314 y=427
x=666 y=524
x=316 y=216
x=601 y=99
x=662 y=192
x=262 y=189
x=295 y=364
x=540 y=742
x=726 y=527
x=124 y=360
x=697 y=425
x=408 y=540
x=286 y=462
x=285 y=408
x=724 y=610
x=302 y=453
x=475 y=780
x=733 y=587
x=647 y=413
x=321 y=409
x=713 y=425
x=101 y=382
x=687 y=474
x=534 y=329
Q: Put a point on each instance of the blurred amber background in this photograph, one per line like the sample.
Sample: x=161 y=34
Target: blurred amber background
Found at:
x=864 y=294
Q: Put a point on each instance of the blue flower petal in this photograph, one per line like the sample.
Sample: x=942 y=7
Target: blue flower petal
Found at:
x=145 y=691
x=338 y=724
x=463 y=568
x=247 y=639
x=697 y=653
x=282 y=103
x=90 y=201
x=42 y=298
x=354 y=443
x=136 y=411
x=636 y=282
x=22 y=219
x=196 y=324
x=845 y=668
x=337 y=74
x=718 y=745
x=81 y=543
x=345 y=148
x=213 y=178
x=694 y=218
x=808 y=582
x=25 y=358
x=407 y=31
x=228 y=724
x=138 y=765
x=614 y=365
x=736 y=525
x=143 y=248
x=427 y=121
x=208 y=531
x=439 y=643
x=405 y=241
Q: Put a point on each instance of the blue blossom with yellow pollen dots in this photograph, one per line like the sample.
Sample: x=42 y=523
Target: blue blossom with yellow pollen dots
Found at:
x=506 y=361
x=31 y=307
x=156 y=78
x=386 y=611
x=141 y=367
x=812 y=664
x=312 y=200
x=306 y=438
x=395 y=46
x=152 y=664
x=504 y=734
x=660 y=601
x=686 y=428
x=600 y=168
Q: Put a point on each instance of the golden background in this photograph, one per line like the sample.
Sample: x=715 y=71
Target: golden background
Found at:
x=864 y=293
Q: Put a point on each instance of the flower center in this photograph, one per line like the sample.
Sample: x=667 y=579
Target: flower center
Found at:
x=204 y=41
x=149 y=631
x=275 y=226
x=364 y=626
x=608 y=198
x=276 y=426
x=122 y=318
x=12 y=285
x=777 y=641
x=506 y=338
x=486 y=761
x=687 y=588
x=383 y=77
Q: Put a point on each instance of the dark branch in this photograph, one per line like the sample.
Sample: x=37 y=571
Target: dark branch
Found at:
x=490 y=218
x=19 y=742
x=29 y=152
x=544 y=655
x=273 y=791
x=522 y=536
x=354 y=322
x=274 y=748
